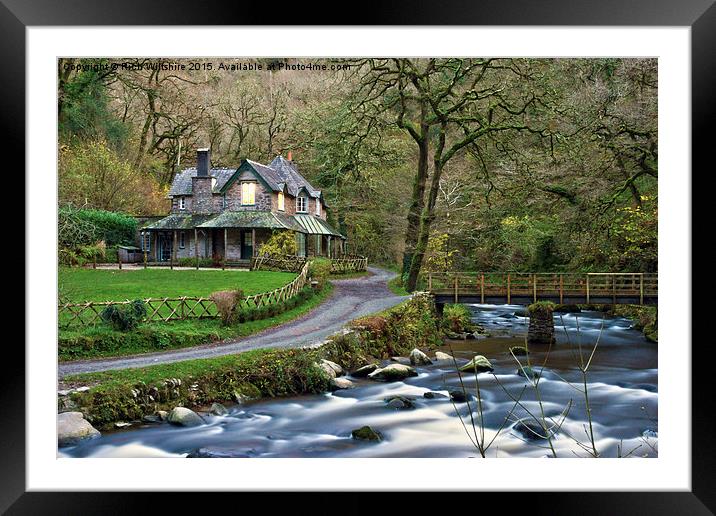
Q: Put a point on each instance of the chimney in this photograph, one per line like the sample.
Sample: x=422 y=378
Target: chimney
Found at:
x=202 y=162
x=290 y=156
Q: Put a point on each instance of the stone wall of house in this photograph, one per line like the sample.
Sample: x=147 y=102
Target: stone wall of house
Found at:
x=203 y=198
x=187 y=201
x=263 y=197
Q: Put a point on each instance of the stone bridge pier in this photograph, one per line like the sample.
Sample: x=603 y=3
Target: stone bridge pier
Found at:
x=541 y=328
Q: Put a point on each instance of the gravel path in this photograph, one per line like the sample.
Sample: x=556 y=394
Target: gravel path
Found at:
x=350 y=298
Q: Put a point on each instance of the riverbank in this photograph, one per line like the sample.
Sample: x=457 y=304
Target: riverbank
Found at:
x=131 y=394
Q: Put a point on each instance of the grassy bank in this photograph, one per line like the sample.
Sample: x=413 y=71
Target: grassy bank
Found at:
x=126 y=395
x=101 y=341
x=78 y=285
x=645 y=318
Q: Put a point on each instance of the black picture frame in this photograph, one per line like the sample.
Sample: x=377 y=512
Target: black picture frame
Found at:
x=17 y=15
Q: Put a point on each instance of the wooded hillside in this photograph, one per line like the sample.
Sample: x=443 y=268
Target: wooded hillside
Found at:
x=481 y=164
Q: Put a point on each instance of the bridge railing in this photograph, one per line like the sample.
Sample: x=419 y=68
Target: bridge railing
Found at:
x=538 y=286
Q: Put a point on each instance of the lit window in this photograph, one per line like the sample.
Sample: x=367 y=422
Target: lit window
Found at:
x=301 y=204
x=280 y=201
x=182 y=240
x=248 y=193
x=146 y=241
x=182 y=203
x=318 y=207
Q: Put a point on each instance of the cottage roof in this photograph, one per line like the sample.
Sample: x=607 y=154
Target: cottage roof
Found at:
x=181 y=185
x=252 y=219
x=178 y=221
x=316 y=226
x=288 y=172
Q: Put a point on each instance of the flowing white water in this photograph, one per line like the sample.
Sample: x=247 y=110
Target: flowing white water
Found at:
x=622 y=387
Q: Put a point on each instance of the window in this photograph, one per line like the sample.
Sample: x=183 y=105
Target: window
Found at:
x=248 y=194
x=281 y=202
x=318 y=207
x=301 y=244
x=146 y=241
x=182 y=203
x=182 y=241
x=223 y=201
x=301 y=204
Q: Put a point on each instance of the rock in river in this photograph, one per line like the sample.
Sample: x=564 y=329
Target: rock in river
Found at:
x=218 y=409
x=364 y=371
x=336 y=368
x=527 y=372
x=479 y=363
x=366 y=433
x=399 y=402
x=341 y=383
x=417 y=357
x=182 y=416
x=439 y=355
x=459 y=396
x=393 y=372
x=72 y=428
x=530 y=430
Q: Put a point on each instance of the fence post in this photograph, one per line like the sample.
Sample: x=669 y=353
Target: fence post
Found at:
x=587 y=288
x=119 y=259
x=641 y=288
x=614 y=289
x=196 y=247
x=509 y=297
x=145 y=258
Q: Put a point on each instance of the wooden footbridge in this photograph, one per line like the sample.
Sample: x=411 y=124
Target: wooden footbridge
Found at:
x=526 y=288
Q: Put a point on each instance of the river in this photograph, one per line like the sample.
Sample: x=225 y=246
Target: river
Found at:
x=622 y=388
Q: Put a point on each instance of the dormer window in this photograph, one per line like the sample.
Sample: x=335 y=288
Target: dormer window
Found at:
x=281 y=201
x=182 y=203
x=301 y=204
x=318 y=207
x=248 y=194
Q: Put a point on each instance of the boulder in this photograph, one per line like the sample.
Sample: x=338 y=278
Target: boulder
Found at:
x=366 y=433
x=417 y=357
x=364 y=371
x=399 y=402
x=527 y=372
x=205 y=453
x=72 y=428
x=460 y=396
x=336 y=368
x=341 y=383
x=518 y=351
x=393 y=372
x=218 y=409
x=182 y=416
x=439 y=355
x=163 y=415
x=401 y=360
x=330 y=372
x=478 y=364
x=530 y=429
x=431 y=395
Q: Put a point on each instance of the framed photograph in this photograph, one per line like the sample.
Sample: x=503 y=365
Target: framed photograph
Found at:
x=436 y=250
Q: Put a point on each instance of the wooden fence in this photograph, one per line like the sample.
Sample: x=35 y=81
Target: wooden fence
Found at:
x=286 y=263
x=349 y=263
x=178 y=308
x=560 y=287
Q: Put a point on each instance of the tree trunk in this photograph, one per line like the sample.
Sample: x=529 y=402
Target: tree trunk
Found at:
x=418 y=196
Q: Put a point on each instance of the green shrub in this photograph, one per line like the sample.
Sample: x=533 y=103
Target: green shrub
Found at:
x=191 y=262
x=282 y=242
x=457 y=318
x=124 y=317
x=319 y=269
x=110 y=255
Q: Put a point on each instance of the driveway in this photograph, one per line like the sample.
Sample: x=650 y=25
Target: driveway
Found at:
x=351 y=298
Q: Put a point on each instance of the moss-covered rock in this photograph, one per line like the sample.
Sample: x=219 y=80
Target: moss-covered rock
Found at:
x=366 y=433
x=478 y=364
x=393 y=373
x=518 y=351
x=182 y=416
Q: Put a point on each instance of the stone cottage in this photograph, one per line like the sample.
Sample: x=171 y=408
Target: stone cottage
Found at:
x=227 y=214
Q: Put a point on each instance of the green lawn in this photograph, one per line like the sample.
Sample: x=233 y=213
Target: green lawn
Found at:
x=114 y=285
x=100 y=341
